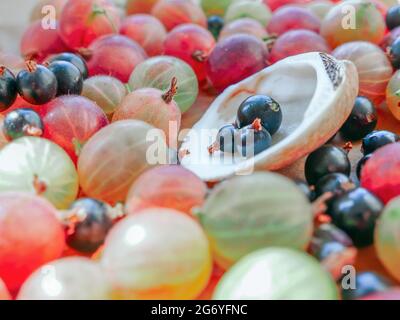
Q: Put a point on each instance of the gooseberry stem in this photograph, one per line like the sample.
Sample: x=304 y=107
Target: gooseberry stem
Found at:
x=32 y=131
x=31 y=65
x=2 y=70
x=169 y=95
x=39 y=186
x=199 y=56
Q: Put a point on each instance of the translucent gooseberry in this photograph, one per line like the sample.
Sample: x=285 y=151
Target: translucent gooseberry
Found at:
x=235 y=58
x=83 y=21
x=373 y=66
x=70 y=121
x=215 y=8
x=175 y=260
x=37 y=11
x=38 y=43
x=108 y=92
x=154 y=107
x=393 y=95
x=147 y=31
x=157 y=72
x=319 y=8
x=192 y=44
x=245 y=25
x=248 y=9
x=71 y=278
x=277 y=274
x=278 y=215
x=122 y=147
x=381 y=173
x=175 y=12
x=4 y=294
x=31 y=236
x=38 y=166
x=365 y=24
x=387 y=242
x=114 y=55
x=169 y=186
x=139 y=6
x=296 y=42
x=275 y=4
x=290 y=18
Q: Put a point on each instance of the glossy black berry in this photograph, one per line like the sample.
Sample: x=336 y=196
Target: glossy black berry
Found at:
x=335 y=183
x=37 y=85
x=356 y=212
x=366 y=283
x=328 y=233
x=253 y=140
x=394 y=53
x=361 y=164
x=393 y=17
x=262 y=107
x=76 y=60
x=326 y=159
x=305 y=188
x=91 y=225
x=362 y=120
x=215 y=25
x=22 y=122
x=8 y=88
x=69 y=78
x=378 y=139
x=226 y=138
x=329 y=248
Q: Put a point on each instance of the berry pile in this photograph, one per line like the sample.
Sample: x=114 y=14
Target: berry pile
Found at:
x=93 y=196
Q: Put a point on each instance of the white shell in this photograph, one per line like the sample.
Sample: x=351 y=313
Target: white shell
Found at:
x=316 y=93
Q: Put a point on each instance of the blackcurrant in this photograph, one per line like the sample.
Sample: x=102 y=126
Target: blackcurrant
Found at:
x=90 y=226
x=76 y=60
x=226 y=137
x=378 y=139
x=215 y=25
x=37 y=85
x=328 y=249
x=8 y=88
x=326 y=159
x=253 y=139
x=362 y=120
x=366 y=283
x=361 y=164
x=393 y=17
x=333 y=182
x=262 y=107
x=356 y=212
x=22 y=122
x=394 y=53
x=69 y=78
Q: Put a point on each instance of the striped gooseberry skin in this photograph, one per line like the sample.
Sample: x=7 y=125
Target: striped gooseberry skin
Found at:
x=157 y=254
x=244 y=25
x=392 y=95
x=38 y=166
x=113 y=158
x=175 y=12
x=77 y=278
x=157 y=73
x=169 y=186
x=108 y=92
x=31 y=235
x=387 y=242
x=139 y=6
x=83 y=21
x=277 y=274
x=147 y=31
x=373 y=67
x=246 y=213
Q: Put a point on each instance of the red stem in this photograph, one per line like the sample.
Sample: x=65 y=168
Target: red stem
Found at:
x=169 y=95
